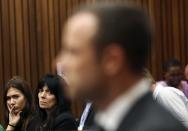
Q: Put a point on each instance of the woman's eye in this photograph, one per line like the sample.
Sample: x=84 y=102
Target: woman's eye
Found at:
x=8 y=98
x=15 y=97
x=40 y=90
x=49 y=92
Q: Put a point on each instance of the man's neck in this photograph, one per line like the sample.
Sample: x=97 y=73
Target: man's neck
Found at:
x=116 y=89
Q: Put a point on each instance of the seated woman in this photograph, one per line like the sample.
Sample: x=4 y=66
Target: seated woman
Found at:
x=18 y=105
x=52 y=105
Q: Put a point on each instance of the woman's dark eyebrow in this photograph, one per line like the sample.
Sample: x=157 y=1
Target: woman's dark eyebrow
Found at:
x=13 y=95
x=47 y=90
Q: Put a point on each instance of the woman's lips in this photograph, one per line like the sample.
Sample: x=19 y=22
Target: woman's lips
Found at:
x=42 y=102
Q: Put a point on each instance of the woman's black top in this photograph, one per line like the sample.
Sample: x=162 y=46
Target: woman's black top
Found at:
x=63 y=122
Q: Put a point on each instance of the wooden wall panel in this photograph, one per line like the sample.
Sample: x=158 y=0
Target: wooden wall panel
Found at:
x=30 y=36
x=1 y=66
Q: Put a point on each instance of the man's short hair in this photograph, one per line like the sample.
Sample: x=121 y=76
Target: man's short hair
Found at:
x=127 y=26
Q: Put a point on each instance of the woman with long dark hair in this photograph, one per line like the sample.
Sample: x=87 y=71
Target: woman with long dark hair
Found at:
x=52 y=106
x=18 y=104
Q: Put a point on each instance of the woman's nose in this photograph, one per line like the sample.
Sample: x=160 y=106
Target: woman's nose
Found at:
x=12 y=101
x=43 y=94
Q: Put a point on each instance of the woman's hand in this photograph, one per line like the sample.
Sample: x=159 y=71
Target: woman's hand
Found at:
x=14 y=117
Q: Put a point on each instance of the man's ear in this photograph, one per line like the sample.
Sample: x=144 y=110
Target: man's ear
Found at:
x=113 y=60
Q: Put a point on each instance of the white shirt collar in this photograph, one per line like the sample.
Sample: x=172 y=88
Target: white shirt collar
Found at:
x=84 y=116
x=113 y=115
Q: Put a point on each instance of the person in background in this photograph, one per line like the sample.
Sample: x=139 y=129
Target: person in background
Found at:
x=52 y=106
x=186 y=73
x=105 y=49
x=173 y=76
x=174 y=100
x=171 y=92
x=185 y=83
x=18 y=105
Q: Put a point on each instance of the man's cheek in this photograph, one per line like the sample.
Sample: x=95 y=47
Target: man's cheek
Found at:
x=75 y=80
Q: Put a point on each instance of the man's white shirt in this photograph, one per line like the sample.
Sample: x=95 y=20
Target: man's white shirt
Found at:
x=111 y=118
x=173 y=100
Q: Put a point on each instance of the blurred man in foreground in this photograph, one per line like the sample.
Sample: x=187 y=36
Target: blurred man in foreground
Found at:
x=105 y=49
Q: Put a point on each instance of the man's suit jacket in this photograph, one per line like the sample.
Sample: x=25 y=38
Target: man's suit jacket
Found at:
x=147 y=115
